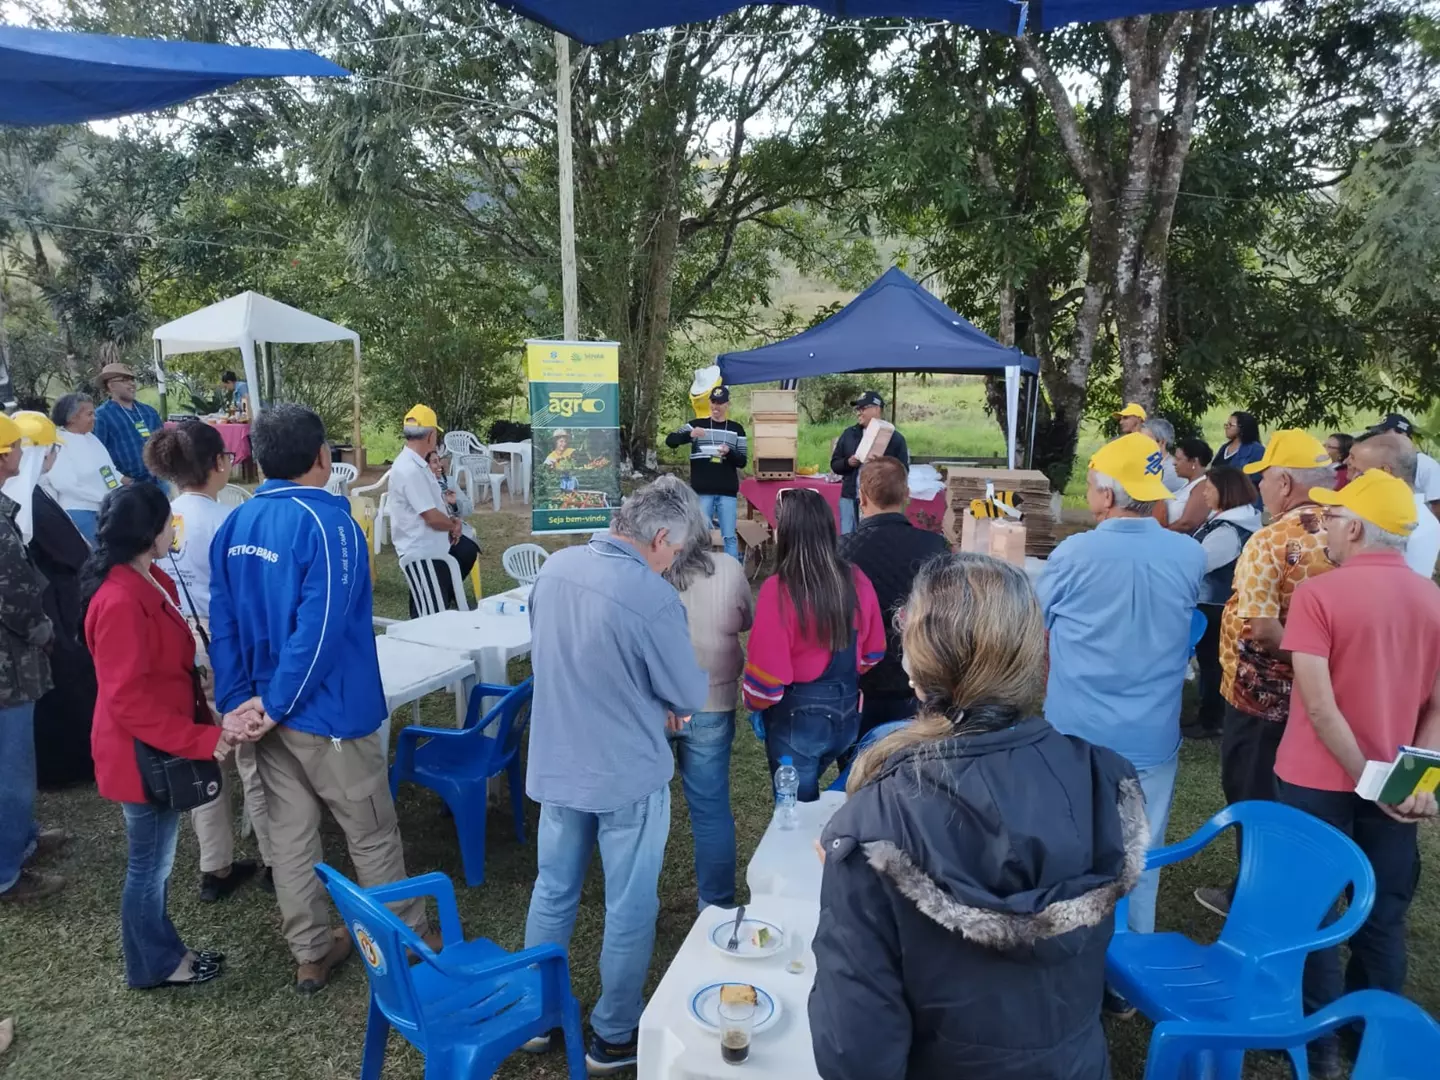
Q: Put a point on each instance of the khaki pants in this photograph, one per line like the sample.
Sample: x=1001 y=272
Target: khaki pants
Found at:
x=214 y=822
x=302 y=772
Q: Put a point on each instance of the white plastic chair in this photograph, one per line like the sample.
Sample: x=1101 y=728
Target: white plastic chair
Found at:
x=460 y=443
x=475 y=472
x=523 y=561
x=382 y=509
x=342 y=475
x=424 y=581
x=232 y=495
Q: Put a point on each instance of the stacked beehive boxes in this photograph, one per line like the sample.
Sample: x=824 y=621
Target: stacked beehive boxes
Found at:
x=775 y=434
x=1037 y=512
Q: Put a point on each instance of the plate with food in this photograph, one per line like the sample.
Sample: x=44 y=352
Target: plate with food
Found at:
x=704 y=1005
x=758 y=939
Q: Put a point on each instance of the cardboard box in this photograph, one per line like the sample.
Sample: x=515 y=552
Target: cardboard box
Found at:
x=751 y=533
x=875 y=440
x=996 y=537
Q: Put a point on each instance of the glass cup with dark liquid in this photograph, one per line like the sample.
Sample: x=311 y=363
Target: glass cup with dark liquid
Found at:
x=736 y=1022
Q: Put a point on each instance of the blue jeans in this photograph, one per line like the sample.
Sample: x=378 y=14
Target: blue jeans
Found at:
x=704 y=752
x=17 y=791
x=153 y=949
x=85 y=521
x=1158 y=784
x=849 y=515
x=632 y=850
x=723 y=507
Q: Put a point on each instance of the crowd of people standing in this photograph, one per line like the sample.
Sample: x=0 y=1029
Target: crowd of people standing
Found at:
x=217 y=635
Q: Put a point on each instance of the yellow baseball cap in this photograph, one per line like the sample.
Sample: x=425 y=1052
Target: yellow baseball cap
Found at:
x=1381 y=499
x=1135 y=462
x=1291 y=449
x=10 y=434
x=1131 y=409
x=422 y=416
x=36 y=428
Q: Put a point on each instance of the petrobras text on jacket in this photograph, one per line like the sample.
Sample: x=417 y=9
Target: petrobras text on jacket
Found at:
x=251 y=549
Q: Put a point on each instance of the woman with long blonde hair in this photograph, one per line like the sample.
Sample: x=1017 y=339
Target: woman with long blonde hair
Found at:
x=971 y=879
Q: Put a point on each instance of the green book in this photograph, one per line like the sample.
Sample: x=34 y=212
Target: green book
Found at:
x=1413 y=770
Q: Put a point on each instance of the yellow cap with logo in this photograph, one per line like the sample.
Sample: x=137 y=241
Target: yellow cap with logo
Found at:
x=422 y=416
x=1131 y=409
x=10 y=434
x=1291 y=449
x=1383 y=500
x=36 y=428
x=1134 y=461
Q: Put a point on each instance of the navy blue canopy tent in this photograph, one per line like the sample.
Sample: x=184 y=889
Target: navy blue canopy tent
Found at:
x=55 y=77
x=895 y=325
x=594 y=21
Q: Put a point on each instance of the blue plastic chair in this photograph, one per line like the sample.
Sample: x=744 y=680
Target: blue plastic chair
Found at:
x=457 y=764
x=1293 y=868
x=1401 y=1041
x=467 y=1007
x=874 y=735
x=1198 y=622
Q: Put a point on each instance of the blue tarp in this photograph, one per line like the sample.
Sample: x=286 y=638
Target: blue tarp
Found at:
x=54 y=77
x=894 y=325
x=594 y=21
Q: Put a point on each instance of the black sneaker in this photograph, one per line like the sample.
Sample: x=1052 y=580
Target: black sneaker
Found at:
x=213 y=887
x=1116 y=1006
x=603 y=1058
x=1199 y=731
x=1324 y=1059
x=266 y=880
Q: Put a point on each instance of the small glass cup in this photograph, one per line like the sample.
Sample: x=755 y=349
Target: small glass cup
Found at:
x=737 y=1023
x=795 y=953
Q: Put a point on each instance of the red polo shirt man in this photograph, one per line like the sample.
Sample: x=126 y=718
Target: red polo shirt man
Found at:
x=1365 y=642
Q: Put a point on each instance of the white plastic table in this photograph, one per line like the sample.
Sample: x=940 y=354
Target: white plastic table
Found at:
x=674 y=1047
x=519 y=464
x=409 y=671
x=491 y=641
x=785 y=863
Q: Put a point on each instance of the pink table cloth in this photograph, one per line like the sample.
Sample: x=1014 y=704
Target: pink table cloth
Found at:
x=761 y=495
x=236 y=438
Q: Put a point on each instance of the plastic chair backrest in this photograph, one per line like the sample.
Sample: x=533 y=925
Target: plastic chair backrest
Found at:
x=461 y=442
x=383 y=484
x=342 y=475
x=1293 y=867
x=870 y=738
x=523 y=561
x=513 y=714
x=1198 y=622
x=382 y=940
x=232 y=495
x=1401 y=1042
x=424 y=581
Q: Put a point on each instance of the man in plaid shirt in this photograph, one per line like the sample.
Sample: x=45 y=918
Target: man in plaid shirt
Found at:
x=124 y=424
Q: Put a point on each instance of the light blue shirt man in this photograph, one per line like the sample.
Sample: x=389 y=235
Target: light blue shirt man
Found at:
x=1118 y=602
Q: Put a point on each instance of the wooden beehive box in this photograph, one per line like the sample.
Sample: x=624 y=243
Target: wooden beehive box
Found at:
x=775 y=405
x=962 y=484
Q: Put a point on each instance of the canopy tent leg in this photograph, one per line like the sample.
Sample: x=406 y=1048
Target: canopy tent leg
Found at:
x=252 y=375
x=160 y=380
x=1012 y=407
x=1034 y=419
x=355 y=408
x=894 y=393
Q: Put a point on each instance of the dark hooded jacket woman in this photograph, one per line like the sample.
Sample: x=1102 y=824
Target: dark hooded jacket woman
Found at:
x=968 y=899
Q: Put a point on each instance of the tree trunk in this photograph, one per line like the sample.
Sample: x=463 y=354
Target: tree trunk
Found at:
x=650 y=333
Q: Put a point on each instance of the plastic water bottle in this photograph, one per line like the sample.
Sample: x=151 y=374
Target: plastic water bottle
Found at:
x=787 y=789
x=494 y=605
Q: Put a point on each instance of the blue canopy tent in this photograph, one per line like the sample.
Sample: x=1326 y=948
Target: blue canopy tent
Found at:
x=594 y=21
x=55 y=77
x=896 y=325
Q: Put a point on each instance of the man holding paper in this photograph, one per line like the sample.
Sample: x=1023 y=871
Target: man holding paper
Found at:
x=869 y=437
x=1365 y=643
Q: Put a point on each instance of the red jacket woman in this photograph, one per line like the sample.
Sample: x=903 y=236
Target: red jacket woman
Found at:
x=145 y=666
x=144 y=655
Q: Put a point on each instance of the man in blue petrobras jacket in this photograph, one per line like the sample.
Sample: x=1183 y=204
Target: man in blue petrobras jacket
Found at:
x=293 y=649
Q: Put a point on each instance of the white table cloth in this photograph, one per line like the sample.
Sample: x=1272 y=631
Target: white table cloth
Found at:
x=409 y=671
x=785 y=863
x=519 y=472
x=674 y=1047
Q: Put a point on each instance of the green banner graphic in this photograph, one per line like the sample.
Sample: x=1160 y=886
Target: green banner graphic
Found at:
x=575 y=434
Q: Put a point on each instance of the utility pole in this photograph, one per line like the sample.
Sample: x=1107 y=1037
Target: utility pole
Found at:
x=569 y=289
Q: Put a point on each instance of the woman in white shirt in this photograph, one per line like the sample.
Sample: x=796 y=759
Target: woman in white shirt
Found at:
x=83 y=473
x=192 y=456
x=1230 y=497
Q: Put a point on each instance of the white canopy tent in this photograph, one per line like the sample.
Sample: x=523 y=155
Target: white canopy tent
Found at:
x=243 y=322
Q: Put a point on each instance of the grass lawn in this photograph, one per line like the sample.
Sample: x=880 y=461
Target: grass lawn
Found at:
x=61 y=971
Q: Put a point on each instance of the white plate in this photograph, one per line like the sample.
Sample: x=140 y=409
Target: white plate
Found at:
x=720 y=937
x=704 y=1009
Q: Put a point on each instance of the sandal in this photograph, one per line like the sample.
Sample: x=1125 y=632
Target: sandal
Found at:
x=209 y=956
x=201 y=971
